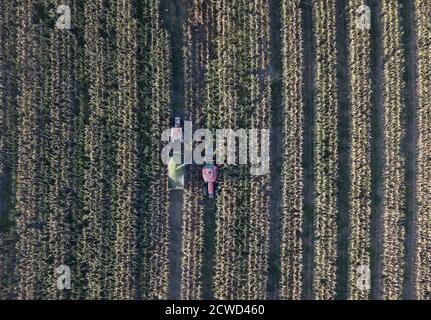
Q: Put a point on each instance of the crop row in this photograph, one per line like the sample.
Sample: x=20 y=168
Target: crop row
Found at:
x=96 y=236
x=31 y=184
x=260 y=94
x=325 y=150
x=155 y=98
x=62 y=176
x=222 y=78
x=360 y=169
x=393 y=175
x=423 y=244
x=292 y=171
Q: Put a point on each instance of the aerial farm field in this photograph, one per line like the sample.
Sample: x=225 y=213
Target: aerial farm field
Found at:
x=338 y=91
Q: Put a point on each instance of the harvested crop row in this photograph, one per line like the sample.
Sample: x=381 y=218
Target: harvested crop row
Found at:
x=196 y=53
x=325 y=157
x=393 y=175
x=423 y=245
x=360 y=164
x=292 y=172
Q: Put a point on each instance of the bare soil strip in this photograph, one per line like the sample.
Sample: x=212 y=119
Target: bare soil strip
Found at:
x=173 y=17
x=172 y=12
x=377 y=151
x=175 y=222
x=276 y=153
x=308 y=76
x=343 y=181
x=409 y=145
x=5 y=196
x=209 y=249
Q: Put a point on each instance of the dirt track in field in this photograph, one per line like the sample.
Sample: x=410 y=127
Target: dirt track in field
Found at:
x=175 y=227
x=308 y=93
x=276 y=154
x=343 y=180
x=409 y=146
x=377 y=151
x=209 y=249
x=173 y=17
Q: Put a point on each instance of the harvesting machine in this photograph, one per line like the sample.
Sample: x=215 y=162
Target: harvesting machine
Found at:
x=175 y=165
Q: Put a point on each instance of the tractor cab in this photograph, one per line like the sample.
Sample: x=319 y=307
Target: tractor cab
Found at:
x=210 y=175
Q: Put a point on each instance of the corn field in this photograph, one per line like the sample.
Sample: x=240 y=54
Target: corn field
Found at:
x=338 y=91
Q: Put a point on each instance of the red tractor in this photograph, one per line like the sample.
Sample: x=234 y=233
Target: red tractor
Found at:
x=210 y=175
